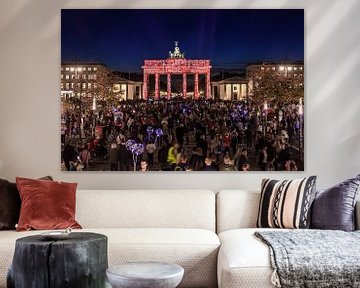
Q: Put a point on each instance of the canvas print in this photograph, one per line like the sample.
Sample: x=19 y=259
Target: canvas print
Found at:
x=182 y=90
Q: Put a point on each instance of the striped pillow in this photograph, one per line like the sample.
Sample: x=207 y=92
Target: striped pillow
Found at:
x=286 y=204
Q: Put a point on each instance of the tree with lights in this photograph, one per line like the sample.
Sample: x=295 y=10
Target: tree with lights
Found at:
x=275 y=89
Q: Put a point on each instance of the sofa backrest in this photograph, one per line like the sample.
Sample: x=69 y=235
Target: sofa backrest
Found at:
x=236 y=209
x=239 y=209
x=146 y=209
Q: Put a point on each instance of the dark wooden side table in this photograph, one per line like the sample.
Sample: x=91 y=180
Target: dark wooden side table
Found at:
x=80 y=261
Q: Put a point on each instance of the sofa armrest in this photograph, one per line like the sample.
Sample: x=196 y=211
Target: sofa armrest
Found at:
x=357 y=215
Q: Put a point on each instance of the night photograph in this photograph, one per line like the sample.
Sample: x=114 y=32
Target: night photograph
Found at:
x=182 y=90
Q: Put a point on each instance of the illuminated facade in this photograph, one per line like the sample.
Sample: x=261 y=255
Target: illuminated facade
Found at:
x=176 y=64
x=81 y=78
x=87 y=79
x=233 y=88
x=125 y=89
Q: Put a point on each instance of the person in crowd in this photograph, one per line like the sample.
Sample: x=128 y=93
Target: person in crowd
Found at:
x=113 y=156
x=284 y=155
x=249 y=137
x=263 y=158
x=172 y=154
x=124 y=157
x=241 y=158
x=69 y=154
x=226 y=143
x=245 y=167
x=209 y=165
x=63 y=133
x=290 y=165
x=163 y=153
x=144 y=166
x=234 y=141
x=202 y=143
x=150 y=150
x=183 y=164
x=180 y=132
x=85 y=157
x=228 y=164
x=197 y=159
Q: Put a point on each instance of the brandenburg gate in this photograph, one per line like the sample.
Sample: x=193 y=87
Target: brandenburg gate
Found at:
x=176 y=64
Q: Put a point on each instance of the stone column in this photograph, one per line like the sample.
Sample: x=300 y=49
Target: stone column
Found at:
x=157 y=91
x=208 y=85
x=168 y=86
x=145 y=86
x=184 y=85
x=196 y=86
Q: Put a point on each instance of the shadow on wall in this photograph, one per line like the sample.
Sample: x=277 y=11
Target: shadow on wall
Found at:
x=331 y=100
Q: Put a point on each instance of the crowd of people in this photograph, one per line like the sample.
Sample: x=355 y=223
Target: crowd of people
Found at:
x=196 y=135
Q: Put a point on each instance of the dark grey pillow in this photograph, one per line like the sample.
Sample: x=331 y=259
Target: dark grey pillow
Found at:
x=9 y=205
x=334 y=208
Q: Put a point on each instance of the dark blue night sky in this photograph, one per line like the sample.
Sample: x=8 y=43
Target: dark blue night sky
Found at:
x=122 y=39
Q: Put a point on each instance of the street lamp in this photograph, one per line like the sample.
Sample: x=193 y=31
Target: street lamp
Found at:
x=265 y=112
x=301 y=112
x=94 y=116
x=78 y=77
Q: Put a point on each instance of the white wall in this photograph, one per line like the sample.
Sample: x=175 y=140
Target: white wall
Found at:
x=30 y=105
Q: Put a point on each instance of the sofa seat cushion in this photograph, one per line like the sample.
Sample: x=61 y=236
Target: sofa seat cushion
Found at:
x=196 y=250
x=244 y=261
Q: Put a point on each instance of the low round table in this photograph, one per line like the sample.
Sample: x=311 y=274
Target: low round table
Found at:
x=145 y=275
x=79 y=260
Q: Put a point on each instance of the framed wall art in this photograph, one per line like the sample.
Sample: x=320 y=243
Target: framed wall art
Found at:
x=182 y=90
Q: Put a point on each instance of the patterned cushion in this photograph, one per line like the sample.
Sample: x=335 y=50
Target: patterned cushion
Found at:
x=286 y=204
